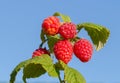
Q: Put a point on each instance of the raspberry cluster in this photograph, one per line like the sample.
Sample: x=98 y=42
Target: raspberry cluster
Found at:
x=64 y=48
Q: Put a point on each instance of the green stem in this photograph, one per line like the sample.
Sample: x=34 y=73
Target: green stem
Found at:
x=40 y=46
x=64 y=78
x=59 y=78
x=58 y=71
x=61 y=81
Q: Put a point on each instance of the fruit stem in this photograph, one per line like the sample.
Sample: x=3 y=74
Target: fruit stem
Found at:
x=42 y=43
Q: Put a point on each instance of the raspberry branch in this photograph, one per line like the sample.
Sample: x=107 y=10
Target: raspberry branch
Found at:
x=63 y=42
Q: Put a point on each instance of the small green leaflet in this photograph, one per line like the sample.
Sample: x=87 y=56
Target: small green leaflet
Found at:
x=51 y=41
x=65 y=18
x=41 y=63
x=42 y=36
x=99 y=34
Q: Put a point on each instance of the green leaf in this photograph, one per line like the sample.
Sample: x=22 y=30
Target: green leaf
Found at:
x=35 y=67
x=99 y=34
x=65 y=18
x=51 y=41
x=71 y=75
x=16 y=70
x=32 y=71
x=48 y=65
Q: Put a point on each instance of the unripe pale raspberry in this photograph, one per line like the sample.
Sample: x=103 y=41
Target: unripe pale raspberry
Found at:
x=83 y=50
x=39 y=52
x=63 y=50
x=51 y=25
x=68 y=30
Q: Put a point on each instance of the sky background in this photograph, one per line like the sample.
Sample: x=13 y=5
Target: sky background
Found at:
x=20 y=25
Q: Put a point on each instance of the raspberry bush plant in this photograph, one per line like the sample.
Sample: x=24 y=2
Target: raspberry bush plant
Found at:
x=61 y=36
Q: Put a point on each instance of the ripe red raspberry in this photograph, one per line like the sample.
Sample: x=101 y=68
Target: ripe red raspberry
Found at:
x=67 y=30
x=83 y=50
x=63 y=50
x=39 y=52
x=51 y=25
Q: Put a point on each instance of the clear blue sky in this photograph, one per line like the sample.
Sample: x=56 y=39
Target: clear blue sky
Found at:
x=20 y=25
